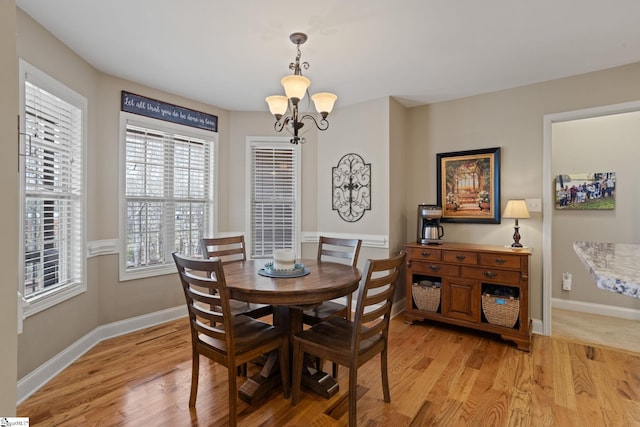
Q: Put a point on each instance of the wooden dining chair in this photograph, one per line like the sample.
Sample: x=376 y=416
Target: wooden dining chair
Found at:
x=353 y=343
x=233 y=340
x=232 y=249
x=339 y=250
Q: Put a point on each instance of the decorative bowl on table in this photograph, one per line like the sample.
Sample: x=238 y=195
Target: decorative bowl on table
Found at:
x=297 y=271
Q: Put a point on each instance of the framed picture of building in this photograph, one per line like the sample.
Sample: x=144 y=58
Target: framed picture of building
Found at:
x=469 y=186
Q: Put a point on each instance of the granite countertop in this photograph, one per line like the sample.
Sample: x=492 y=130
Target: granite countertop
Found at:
x=614 y=266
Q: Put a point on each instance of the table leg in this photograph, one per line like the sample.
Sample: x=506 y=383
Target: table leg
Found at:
x=262 y=383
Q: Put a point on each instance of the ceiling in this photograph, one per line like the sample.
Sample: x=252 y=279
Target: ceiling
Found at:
x=232 y=53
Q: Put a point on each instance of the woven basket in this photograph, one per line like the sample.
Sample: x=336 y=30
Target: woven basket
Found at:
x=427 y=298
x=501 y=311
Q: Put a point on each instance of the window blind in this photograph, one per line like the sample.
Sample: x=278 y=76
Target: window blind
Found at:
x=168 y=195
x=53 y=190
x=273 y=199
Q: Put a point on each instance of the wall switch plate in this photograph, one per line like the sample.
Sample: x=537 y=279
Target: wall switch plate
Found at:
x=534 y=205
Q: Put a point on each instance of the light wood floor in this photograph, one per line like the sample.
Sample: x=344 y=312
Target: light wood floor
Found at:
x=439 y=376
x=595 y=329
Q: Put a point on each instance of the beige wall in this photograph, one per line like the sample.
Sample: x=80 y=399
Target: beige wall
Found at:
x=107 y=300
x=8 y=208
x=51 y=331
x=362 y=129
x=598 y=144
x=398 y=222
x=513 y=120
x=397 y=177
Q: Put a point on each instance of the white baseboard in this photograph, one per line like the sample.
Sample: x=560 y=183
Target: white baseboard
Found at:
x=398 y=307
x=536 y=327
x=601 y=309
x=44 y=373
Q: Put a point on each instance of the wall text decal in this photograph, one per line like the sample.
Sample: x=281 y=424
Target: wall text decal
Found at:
x=148 y=107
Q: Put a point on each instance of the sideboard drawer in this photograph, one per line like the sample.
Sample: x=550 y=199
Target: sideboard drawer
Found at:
x=435 y=269
x=499 y=260
x=425 y=254
x=470 y=258
x=493 y=275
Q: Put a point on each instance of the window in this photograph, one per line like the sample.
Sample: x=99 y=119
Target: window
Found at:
x=52 y=190
x=274 y=195
x=168 y=201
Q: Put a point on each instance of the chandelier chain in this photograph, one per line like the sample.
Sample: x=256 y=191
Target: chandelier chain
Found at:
x=295 y=66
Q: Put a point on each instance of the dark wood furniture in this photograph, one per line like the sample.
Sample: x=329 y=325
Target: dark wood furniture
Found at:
x=466 y=271
x=224 y=338
x=232 y=249
x=289 y=297
x=353 y=343
x=334 y=249
x=339 y=250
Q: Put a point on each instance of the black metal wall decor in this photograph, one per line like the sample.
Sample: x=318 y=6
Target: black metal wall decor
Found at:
x=351 y=187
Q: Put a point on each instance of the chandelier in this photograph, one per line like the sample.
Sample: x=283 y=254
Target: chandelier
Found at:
x=285 y=108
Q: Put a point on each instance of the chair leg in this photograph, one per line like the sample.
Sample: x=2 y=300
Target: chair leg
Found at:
x=284 y=368
x=233 y=397
x=298 y=356
x=353 y=394
x=195 y=368
x=242 y=370
x=385 y=376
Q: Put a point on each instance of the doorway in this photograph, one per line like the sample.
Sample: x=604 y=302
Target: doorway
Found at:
x=552 y=267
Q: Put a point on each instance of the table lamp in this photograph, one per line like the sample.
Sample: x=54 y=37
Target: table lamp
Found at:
x=516 y=208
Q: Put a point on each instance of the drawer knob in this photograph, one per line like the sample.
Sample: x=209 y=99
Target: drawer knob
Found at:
x=489 y=274
x=434 y=267
x=426 y=254
x=460 y=257
x=500 y=261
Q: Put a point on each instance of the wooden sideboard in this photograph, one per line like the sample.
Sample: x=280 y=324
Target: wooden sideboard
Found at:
x=466 y=272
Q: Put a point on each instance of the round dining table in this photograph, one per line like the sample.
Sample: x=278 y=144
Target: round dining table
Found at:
x=289 y=296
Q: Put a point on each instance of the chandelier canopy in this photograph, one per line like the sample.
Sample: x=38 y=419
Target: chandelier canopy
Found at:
x=285 y=108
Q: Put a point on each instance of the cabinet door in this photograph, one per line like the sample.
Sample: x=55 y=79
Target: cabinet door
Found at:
x=461 y=299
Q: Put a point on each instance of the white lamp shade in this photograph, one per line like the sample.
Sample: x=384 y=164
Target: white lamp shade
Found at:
x=516 y=209
x=295 y=86
x=277 y=104
x=324 y=101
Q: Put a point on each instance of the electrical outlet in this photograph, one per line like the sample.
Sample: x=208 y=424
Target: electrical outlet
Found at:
x=534 y=205
x=566 y=281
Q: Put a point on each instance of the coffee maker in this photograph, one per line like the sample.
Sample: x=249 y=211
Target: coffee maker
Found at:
x=429 y=229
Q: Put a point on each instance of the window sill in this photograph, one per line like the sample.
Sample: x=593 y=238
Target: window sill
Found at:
x=143 y=273
x=47 y=300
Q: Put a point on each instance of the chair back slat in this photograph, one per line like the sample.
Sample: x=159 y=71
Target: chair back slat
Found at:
x=337 y=249
x=207 y=297
x=228 y=249
x=375 y=298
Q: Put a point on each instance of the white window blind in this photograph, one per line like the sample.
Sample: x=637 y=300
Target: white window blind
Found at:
x=52 y=187
x=273 y=198
x=168 y=195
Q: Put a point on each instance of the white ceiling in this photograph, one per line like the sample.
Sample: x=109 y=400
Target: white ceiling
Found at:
x=233 y=53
